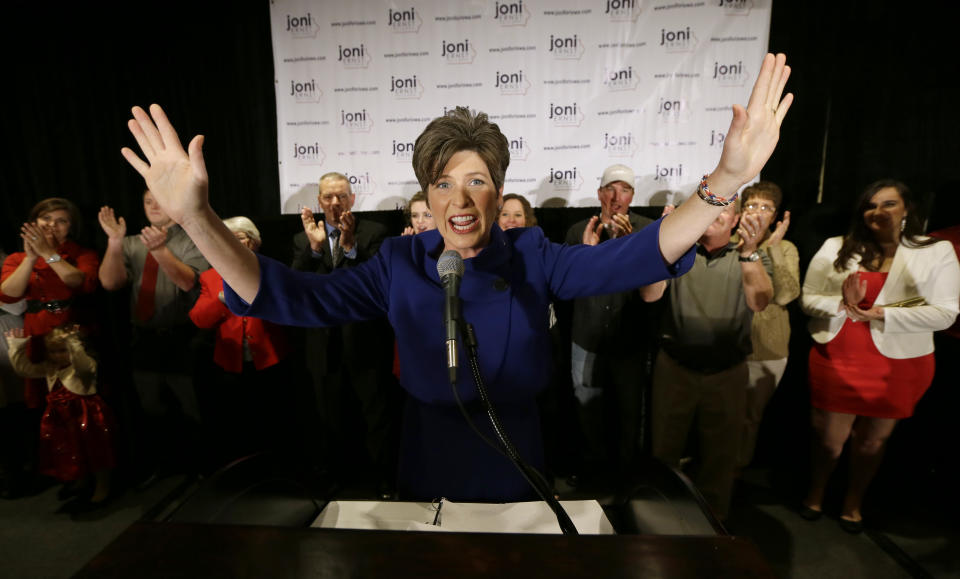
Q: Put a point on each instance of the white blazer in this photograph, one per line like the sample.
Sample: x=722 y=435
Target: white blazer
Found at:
x=931 y=272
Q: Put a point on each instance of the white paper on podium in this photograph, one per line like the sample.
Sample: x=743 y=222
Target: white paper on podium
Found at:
x=526 y=517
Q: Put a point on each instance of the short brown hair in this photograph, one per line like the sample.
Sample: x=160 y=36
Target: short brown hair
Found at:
x=766 y=189
x=460 y=130
x=529 y=219
x=56 y=204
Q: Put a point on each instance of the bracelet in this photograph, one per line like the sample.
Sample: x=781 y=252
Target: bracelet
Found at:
x=703 y=191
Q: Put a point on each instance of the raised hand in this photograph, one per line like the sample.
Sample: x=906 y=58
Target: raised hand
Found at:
x=591 y=234
x=754 y=131
x=408 y=230
x=115 y=228
x=781 y=229
x=177 y=178
x=316 y=232
x=153 y=237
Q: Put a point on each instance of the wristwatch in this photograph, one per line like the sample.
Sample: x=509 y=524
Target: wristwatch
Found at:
x=53 y=258
x=755 y=256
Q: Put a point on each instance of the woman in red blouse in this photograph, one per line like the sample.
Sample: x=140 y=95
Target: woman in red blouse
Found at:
x=49 y=273
x=248 y=352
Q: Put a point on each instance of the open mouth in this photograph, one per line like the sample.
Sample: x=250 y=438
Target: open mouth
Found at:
x=464 y=223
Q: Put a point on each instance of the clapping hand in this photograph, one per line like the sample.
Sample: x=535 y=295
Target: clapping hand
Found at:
x=853 y=289
x=621 y=225
x=316 y=232
x=153 y=237
x=114 y=227
x=348 y=227
x=37 y=242
x=14 y=333
x=750 y=234
x=780 y=230
x=177 y=178
x=591 y=234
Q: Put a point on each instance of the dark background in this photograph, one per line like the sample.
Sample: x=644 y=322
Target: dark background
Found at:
x=873 y=80
x=876 y=77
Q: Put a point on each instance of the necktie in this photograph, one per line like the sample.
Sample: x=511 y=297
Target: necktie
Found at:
x=337 y=254
x=148 y=287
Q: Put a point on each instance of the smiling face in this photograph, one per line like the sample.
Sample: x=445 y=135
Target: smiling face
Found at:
x=55 y=225
x=421 y=218
x=512 y=215
x=884 y=213
x=464 y=203
x=155 y=214
x=614 y=198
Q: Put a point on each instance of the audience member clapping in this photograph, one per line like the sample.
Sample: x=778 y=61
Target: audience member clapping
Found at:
x=875 y=297
x=418 y=215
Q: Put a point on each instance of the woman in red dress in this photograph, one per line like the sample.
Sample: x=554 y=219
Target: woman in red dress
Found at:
x=49 y=273
x=875 y=297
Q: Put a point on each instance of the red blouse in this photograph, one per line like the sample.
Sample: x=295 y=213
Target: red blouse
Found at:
x=267 y=341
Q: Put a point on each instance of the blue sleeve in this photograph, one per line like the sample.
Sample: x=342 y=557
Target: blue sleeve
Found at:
x=616 y=265
x=297 y=298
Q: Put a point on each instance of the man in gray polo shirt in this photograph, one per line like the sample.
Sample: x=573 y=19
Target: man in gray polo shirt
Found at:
x=700 y=376
x=160 y=264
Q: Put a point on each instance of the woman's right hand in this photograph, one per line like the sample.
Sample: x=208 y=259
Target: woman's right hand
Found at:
x=853 y=289
x=114 y=227
x=177 y=178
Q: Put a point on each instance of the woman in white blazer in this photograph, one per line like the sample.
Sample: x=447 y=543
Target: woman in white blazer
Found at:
x=874 y=296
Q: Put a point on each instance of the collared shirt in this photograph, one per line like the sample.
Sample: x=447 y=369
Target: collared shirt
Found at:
x=352 y=254
x=172 y=305
x=707 y=326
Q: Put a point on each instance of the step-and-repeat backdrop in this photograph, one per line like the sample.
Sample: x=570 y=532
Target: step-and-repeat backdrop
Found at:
x=575 y=85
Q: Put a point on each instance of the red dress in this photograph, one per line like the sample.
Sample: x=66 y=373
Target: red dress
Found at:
x=46 y=287
x=849 y=375
x=76 y=435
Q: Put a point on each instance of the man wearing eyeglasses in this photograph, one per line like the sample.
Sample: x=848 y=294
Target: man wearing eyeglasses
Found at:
x=612 y=337
x=351 y=363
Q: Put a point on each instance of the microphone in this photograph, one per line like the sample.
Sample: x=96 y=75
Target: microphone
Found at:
x=450 y=270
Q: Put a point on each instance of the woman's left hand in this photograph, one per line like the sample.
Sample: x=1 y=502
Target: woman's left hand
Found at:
x=858 y=315
x=754 y=131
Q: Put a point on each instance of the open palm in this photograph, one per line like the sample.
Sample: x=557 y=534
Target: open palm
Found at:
x=177 y=178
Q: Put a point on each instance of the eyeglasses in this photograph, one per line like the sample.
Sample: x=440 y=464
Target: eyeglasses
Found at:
x=329 y=197
x=754 y=206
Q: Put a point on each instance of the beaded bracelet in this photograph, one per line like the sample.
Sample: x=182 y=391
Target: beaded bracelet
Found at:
x=703 y=191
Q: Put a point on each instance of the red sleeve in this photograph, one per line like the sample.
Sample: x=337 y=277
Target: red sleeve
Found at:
x=89 y=263
x=208 y=311
x=9 y=265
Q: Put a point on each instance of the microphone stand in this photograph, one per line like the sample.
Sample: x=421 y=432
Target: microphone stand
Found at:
x=530 y=474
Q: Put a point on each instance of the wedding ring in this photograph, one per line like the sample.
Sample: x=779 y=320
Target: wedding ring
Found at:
x=34 y=238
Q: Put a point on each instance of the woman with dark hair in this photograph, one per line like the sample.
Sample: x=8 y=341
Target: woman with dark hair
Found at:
x=49 y=273
x=418 y=215
x=875 y=297
x=516 y=212
x=509 y=279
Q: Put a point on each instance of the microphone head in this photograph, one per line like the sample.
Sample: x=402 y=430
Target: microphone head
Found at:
x=449 y=263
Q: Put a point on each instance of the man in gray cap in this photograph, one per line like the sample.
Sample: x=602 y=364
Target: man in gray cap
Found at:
x=612 y=337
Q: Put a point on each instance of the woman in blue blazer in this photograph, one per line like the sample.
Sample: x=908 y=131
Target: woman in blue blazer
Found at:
x=460 y=161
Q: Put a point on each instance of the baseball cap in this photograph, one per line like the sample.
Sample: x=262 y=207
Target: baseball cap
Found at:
x=617 y=173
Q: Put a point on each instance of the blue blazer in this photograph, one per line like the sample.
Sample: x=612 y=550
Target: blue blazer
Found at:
x=506 y=291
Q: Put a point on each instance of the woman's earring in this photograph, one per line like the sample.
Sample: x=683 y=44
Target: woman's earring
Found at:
x=903 y=224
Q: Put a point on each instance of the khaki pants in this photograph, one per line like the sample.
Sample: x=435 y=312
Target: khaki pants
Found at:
x=714 y=404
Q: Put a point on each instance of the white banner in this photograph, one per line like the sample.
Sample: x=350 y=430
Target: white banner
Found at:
x=575 y=85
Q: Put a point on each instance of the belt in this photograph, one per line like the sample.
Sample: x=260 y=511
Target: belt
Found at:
x=52 y=306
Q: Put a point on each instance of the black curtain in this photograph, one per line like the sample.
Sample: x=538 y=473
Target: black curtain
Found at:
x=877 y=76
